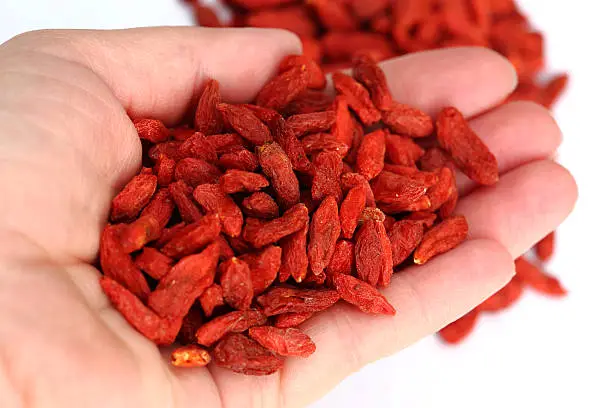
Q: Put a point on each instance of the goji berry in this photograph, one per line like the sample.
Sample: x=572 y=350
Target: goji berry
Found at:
x=207 y=117
x=243 y=355
x=362 y=295
x=134 y=197
x=236 y=283
x=373 y=254
x=284 y=342
x=190 y=356
x=212 y=198
x=324 y=232
x=160 y=331
x=441 y=238
x=371 y=155
x=260 y=205
x=290 y=300
x=233 y=322
x=264 y=267
x=467 y=150
x=277 y=166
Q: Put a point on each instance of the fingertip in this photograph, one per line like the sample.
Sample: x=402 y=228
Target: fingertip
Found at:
x=473 y=79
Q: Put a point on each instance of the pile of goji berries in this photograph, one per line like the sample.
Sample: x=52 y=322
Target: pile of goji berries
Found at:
x=333 y=31
x=242 y=227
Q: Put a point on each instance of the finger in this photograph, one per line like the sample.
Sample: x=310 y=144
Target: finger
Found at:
x=426 y=298
x=516 y=133
x=469 y=78
x=523 y=207
x=158 y=72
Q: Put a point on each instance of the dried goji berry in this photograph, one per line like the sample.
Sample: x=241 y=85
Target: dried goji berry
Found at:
x=233 y=322
x=408 y=121
x=351 y=180
x=284 y=342
x=239 y=159
x=371 y=155
x=160 y=331
x=238 y=181
x=536 y=279
x=193 y=237
x=215 y=201
x=181 y=194
x=198 y=146
x=182 y=133
x=353 y=205
x=427 y=219
x=164 y=169
x=324 y=232
x=169 y=233
x=545 y=248
x=152 y=130
x=443 y=190
x=467 y=150
x=504 y=298
x=441 y=238
x=405 y=236
x=357 y=97
x=134 y=197
x=243 y=355
x=264 y=267
x=396 y=194
x=284 y=88
x=343 y=260
x=196 y=171
x=260 y=205
x=207 y=117
x=373 y=254
x=402 y=150
x=294 y=256
x=309 y=101
x=326 y=177
x=211 y=298
x=154 y=263
x=371 y=75
x=236 y=283
x=283 y=134
x=315 y=122
x=362 y=295
x=316 y=78
x=290 y=300
x=118 y=265
x=459 y=329
x=169 y=149
x=323 y=142
x=277 y=166
x=261 y=233
x=190 y=356
x=179 y=288
x=243 y=121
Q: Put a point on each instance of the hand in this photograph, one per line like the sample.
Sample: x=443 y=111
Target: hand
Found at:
x=67 y=145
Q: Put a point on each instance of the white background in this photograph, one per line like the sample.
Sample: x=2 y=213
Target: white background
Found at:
x=542 y=353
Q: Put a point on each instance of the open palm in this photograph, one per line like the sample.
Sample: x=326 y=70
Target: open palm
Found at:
x=67 y=145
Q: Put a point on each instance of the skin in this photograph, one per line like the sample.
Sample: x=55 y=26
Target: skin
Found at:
x=67 y=145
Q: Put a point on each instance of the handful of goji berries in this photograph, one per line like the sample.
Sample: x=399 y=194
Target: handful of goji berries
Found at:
x=259 y=216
